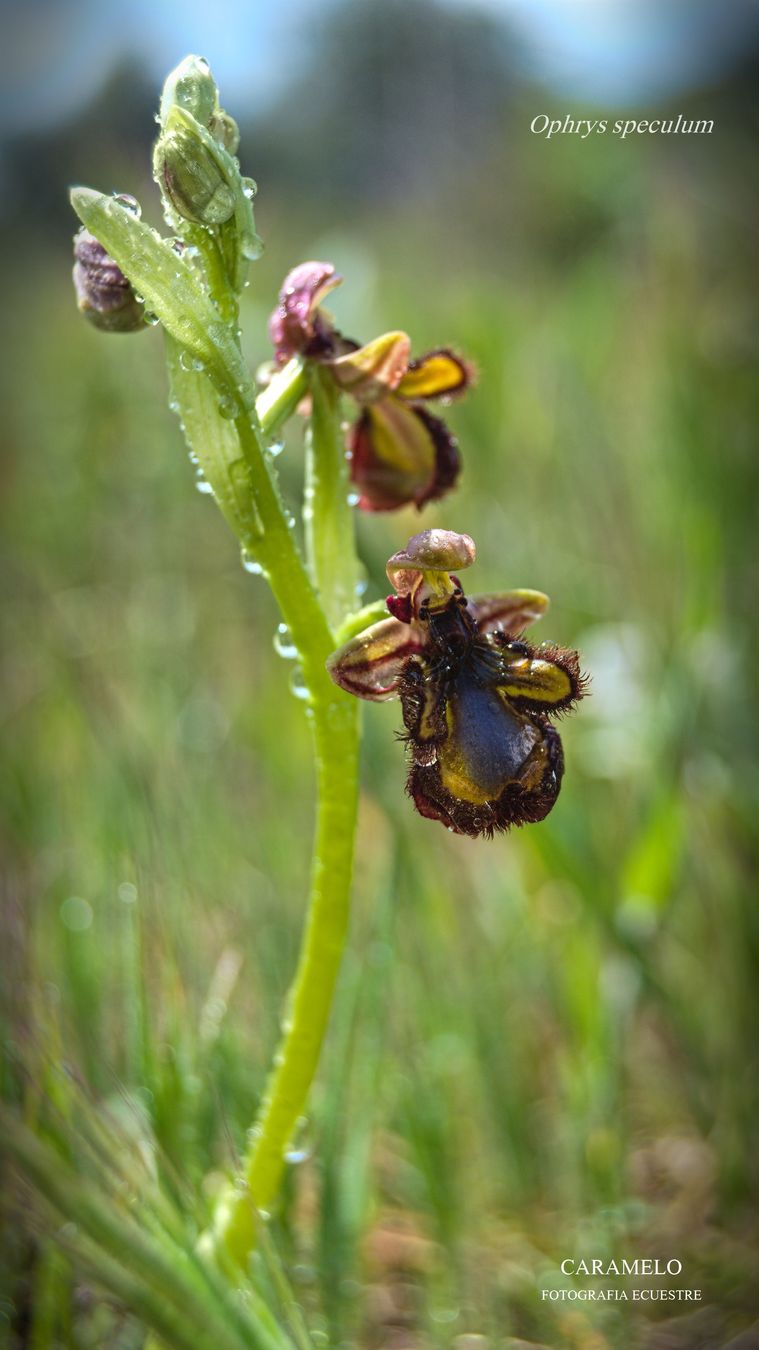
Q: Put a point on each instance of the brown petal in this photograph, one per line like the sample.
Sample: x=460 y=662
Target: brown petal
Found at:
x=370 y=665
x=510 y=611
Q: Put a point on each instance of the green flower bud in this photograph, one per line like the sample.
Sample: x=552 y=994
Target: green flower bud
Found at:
x=195 y=174
x=192 y=87
x=225 y=130
x=103 y=293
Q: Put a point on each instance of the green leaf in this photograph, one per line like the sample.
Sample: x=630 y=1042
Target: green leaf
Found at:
x=170 y=288
x=214 y=440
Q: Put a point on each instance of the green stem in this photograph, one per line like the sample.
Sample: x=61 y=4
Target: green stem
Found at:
x=335 y=720
x=327 y=513
x=281 y=396
x=336 y=734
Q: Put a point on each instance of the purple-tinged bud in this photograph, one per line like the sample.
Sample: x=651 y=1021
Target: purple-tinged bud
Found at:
x=296 y=327
x=103 y=293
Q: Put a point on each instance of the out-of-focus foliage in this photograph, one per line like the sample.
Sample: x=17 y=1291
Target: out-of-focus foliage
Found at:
x=545 y=1045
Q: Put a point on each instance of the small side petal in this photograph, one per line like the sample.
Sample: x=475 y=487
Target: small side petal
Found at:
x=511 y=611
x=371 y=372
x=371 y=664
x=546 y=678
x=439 y=374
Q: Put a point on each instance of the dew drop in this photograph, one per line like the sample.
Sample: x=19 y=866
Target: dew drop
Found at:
x=283 y=643
x=227 y=406
x=152 y=319
x=249 y=187
x=251 y=247
x=353 y=498
x=250 y=563
x=203 y=485
x=129 y=203
x=276 y=448
x=185 y=360
x=298 y=686
x=293 y=1156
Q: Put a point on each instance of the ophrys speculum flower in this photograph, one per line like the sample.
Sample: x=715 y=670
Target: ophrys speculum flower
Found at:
x=476 y=697
x=400 y=453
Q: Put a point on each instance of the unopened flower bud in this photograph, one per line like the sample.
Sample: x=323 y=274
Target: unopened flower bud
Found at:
x=190 y=86
x=189 y=168
x=103 y=293
x=225 y=130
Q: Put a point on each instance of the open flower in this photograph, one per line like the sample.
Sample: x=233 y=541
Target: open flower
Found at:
x=400 y=453
x=476 y=698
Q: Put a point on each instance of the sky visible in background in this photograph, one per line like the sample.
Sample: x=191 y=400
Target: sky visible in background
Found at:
x=58 y=52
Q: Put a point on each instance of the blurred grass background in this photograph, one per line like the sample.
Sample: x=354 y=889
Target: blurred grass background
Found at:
x=544 y=1046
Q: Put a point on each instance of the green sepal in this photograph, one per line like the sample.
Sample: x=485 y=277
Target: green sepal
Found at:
x=170 y=288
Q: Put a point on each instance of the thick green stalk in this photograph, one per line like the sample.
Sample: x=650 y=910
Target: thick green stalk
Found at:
x=328 y=517
x=336 y=734
x=336 y=727
x=280 y=398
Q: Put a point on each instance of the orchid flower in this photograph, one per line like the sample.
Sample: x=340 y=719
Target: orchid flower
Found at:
x=476 y=697
x=400 y=453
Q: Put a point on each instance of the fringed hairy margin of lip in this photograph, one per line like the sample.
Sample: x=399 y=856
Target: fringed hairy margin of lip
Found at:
x=514 y=806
